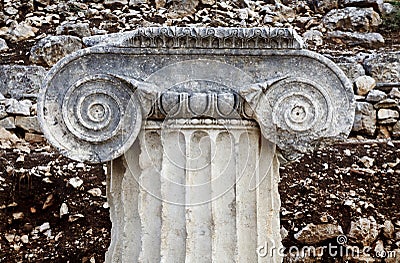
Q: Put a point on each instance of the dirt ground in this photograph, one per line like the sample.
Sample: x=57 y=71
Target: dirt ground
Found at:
x=36 y=181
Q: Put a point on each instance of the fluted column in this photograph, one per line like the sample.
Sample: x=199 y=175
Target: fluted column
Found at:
x=189 y=194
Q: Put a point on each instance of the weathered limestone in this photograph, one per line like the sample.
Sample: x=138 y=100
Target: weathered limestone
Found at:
x=52 y=48
x=189 y=119
x=20 y=81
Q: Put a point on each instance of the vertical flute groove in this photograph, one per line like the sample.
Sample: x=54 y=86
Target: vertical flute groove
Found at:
x=246 y=199
x=198 y=194
x=131 y=244
x=223 y=176
x=173 y=229
x=149 y=196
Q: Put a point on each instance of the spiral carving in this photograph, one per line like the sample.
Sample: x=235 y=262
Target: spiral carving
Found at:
x=294 y=113
x=100 y=116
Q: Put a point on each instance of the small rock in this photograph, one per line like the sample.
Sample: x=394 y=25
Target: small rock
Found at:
x=74 y=29
x=80 y=165
x=29 y=124
x=45 y=226
x=159 y=3
x=18 y=81
x=15 y=107
x=27 y=227
x=312 y=234
x=48 y=233
x=365 y=118
x=49 y=201
x=6 y=136
x=33 y=138
x=388 y=229
x=392 y=165
x=365 y=230
x=313 y=36
x=364 y=84
x=243 y=14
x=10 y=237
x=7 y=123
x=394 y=258
x=375 y=96
x=76 y=182
x=386 y=103
x=395 y=93
x=10 y=10
x=352 y=70
x=115 y=2
x=367 y=161
x=284 y=233
x=387 y=114
x=63 y=210
x=352 y=19
x=323 y=6
x=396 y=129
x=324 y=219
x=43 y=2
x=22 y=31
x=73 y=218
x=58 y=236
x=95 y=192
x=3 y=45
x=376 y=4
x=51 y=49
x=347 y=152
x=207 y=2
x=379 y=249
x=387 y=8
x=18 y=216
x=268 y=19
x=25 y=239
x=383 y=132
x=387 y=121
x=368 y=40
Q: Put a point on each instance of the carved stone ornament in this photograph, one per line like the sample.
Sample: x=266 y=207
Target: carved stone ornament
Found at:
x=93 y=102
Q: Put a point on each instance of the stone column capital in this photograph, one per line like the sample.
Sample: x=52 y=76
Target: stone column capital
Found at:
x=93 y=102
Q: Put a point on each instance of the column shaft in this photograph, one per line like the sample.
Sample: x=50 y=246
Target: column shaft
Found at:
x=195 y=195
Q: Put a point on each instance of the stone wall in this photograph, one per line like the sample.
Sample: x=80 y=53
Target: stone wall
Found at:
x=376 y=85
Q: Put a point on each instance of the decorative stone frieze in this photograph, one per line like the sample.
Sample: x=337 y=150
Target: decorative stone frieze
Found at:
x=192 y=37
